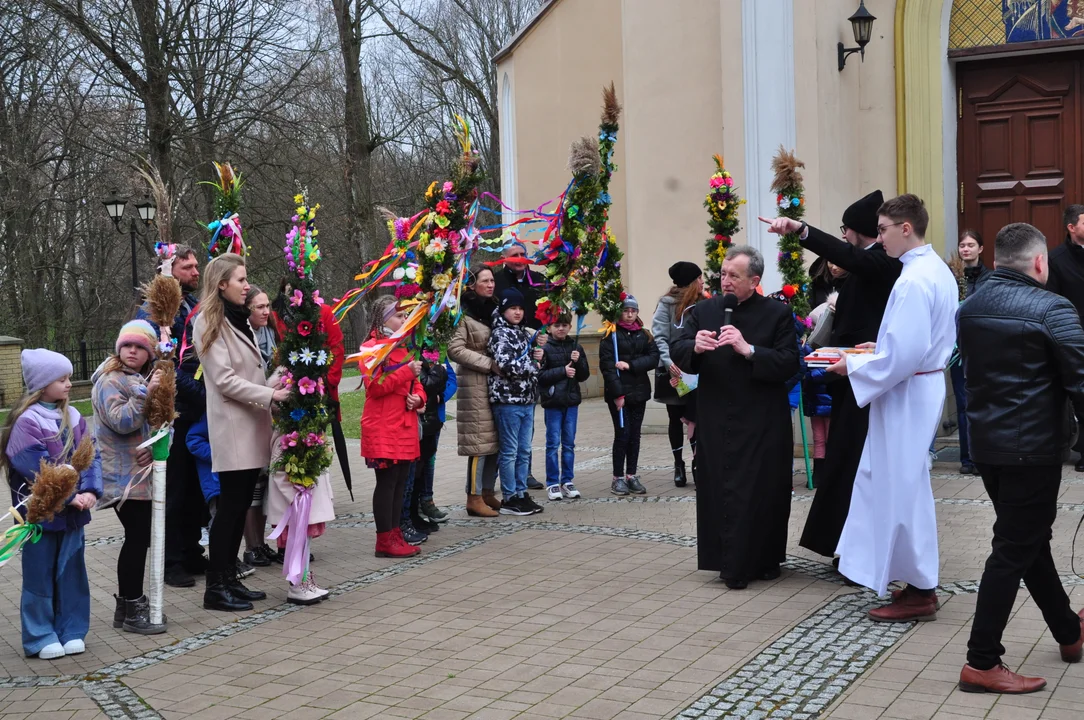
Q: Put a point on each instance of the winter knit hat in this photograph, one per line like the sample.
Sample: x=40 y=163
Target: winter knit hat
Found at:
x=137 y=332
x=862 y=215
x=41 y=367
x=630 y=302
x=684 y=273
x=511 y=298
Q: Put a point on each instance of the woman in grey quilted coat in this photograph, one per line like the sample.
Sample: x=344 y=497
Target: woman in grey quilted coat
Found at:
x=476 y=430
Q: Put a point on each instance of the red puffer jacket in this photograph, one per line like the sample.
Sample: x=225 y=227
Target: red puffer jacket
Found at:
x=388 y=430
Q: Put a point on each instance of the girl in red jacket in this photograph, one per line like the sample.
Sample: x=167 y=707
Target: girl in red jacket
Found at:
x=389 y=428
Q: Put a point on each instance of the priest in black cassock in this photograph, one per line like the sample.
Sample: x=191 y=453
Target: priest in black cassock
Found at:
x=859 y=309
x=744 y=359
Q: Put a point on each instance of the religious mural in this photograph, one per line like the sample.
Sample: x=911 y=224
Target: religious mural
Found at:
x=1031 y=20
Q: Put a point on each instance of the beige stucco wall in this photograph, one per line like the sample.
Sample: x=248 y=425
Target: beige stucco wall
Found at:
x=846 y=127
x=559 y=70
x=674 y=88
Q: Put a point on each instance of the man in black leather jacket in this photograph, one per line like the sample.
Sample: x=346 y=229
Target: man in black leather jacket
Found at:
x=1023 y=358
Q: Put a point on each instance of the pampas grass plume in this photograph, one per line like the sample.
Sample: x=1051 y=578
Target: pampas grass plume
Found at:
x=583 y=157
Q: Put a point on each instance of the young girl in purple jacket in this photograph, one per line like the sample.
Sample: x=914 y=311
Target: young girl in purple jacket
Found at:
x=55 y=608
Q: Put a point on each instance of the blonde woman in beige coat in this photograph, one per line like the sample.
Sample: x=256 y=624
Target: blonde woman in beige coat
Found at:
x=474 y=418
x=239 y=398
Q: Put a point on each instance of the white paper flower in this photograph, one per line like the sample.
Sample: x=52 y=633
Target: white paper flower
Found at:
x=307 y=356
x=398 y=274
x=411 y=273
x=293 y=358
x=321 y=358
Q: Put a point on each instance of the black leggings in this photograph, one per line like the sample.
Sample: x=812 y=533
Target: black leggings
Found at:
x=388 y=495
x=135 y=516
x=676 y=430
x=234 y=499
x=626 y=451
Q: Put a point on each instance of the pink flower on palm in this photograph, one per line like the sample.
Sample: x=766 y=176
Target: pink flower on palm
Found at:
x=306 y=386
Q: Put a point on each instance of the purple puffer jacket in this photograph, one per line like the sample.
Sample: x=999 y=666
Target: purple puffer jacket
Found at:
x=36 y=437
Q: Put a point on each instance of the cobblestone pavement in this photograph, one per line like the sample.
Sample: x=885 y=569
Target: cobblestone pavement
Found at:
x=593 y=609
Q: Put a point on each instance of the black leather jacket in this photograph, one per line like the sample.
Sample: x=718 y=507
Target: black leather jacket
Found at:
x=1023 y=355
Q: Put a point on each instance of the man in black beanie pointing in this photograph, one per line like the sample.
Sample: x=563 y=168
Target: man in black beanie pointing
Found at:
x=859 y=309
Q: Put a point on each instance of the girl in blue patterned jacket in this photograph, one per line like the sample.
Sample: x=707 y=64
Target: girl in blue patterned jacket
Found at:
x=121 y=386
x=55 y=607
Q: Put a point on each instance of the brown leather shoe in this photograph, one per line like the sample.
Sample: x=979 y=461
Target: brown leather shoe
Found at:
x=489 y=497
x=476 y=507
x=998 y=680
x=1073 y=653
x=907 y=607
x=896 y=594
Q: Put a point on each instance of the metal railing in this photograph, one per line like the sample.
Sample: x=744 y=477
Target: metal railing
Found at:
x=85 y=359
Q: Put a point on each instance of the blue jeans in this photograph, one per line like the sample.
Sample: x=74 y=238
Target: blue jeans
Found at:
x=560 y=436
x=56 y=593
x=957 y=373
x=515 y=429
x=429 y=467
x=408 y=489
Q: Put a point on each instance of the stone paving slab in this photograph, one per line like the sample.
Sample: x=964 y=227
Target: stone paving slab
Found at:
x=593 y=609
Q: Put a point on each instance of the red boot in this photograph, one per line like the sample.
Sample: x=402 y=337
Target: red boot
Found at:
x=383 y=544
x=400 y=547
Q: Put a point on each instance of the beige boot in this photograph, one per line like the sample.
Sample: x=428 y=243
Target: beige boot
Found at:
x=489 y=497
x=476 y=507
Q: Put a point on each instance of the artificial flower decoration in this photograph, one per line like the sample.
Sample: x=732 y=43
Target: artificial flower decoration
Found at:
x=304 y=341
x=790 y=191
x=722 y=203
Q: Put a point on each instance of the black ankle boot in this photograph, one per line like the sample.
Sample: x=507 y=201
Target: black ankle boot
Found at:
x=679 y=474
x=118 y=613
x=411 y=534
x=233 y=582
x=818 y=469
x=218 y=596
x=424 y=524
x=694 y=472
x=137 y=618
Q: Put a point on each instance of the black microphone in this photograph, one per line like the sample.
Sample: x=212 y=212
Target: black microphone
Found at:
x=730 y=301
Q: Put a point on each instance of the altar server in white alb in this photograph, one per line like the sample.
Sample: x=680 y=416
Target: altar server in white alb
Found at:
x=891 y=529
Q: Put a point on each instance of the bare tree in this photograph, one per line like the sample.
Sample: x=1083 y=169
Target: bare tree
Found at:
x=455 y=42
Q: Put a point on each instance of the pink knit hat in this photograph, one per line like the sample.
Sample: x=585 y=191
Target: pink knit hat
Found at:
x=138 y=332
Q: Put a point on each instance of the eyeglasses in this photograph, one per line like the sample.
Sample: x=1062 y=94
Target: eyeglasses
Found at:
x=881 y=228
x=842 y=229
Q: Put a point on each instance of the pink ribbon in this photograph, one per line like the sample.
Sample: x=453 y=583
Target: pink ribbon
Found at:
x=296 y=518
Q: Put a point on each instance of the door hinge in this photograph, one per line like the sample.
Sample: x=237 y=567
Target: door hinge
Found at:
x=961 y=198
x=959 y=103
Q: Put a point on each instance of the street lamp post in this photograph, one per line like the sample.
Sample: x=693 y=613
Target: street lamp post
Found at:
x=146 y=209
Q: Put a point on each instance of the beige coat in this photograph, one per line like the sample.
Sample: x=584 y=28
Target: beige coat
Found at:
x=473 y=416
x=238 y=400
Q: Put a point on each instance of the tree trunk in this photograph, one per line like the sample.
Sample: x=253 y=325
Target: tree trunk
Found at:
x=357 y=165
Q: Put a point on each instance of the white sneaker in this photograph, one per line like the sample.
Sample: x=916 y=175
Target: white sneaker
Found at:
x=312 y=584
x=303 y=594
x=570 y=491
x=553 y=492
x=52 y=651
x=74 y=647
x=204 y=538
